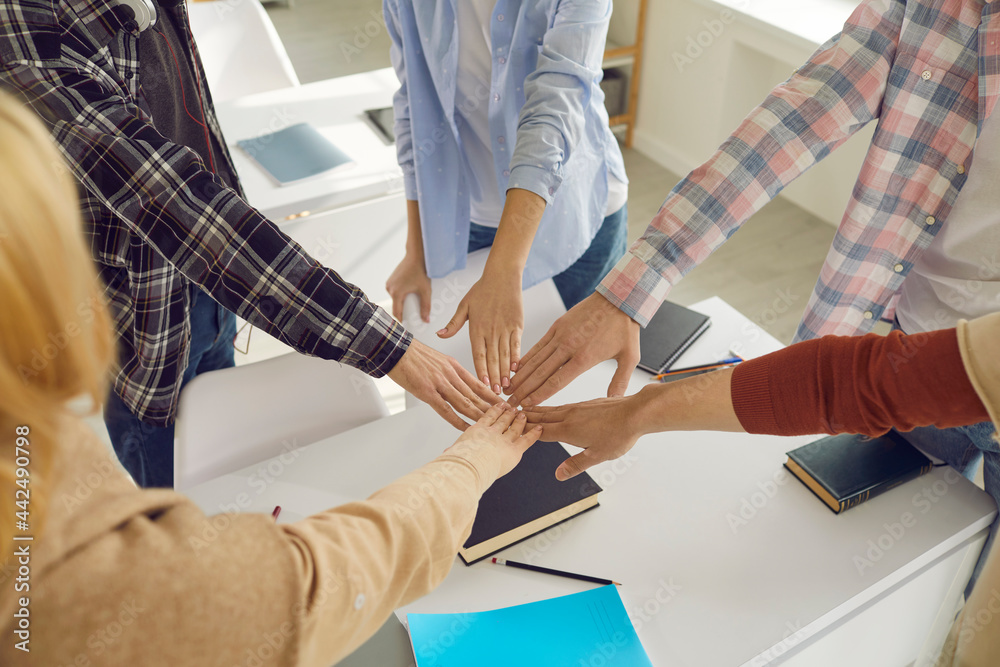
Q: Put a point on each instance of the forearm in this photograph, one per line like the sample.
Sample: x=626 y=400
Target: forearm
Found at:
x=865 y=384
x=201 y=227
x=414 y=234
x=393 y=548
x=522 y=213
x=840 y=88
x=700 y=403
x=836 y=384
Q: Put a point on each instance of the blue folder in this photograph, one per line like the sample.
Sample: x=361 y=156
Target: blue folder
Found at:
x=590 y=628
x=294 y=153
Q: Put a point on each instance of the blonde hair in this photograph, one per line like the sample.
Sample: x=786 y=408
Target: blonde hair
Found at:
x=55 y=330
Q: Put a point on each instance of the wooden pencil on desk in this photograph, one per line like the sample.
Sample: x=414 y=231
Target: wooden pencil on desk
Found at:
x=558 y=573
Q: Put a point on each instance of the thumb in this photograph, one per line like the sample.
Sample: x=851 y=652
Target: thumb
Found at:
x=455 y=325
x=424 y=295
x=619 y=383
x=573 y=466
x=397 y=306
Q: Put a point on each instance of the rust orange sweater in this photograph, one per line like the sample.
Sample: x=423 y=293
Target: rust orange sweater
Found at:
x=864 y=384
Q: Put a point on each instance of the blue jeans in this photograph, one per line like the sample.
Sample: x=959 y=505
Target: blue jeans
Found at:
x=147 y=451
x=963 y=447
x=581 y=279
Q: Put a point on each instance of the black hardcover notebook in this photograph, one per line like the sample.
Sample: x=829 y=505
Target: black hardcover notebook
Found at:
x=846 y=470
x=526 y=501
x=294 y=153
x=668 y=334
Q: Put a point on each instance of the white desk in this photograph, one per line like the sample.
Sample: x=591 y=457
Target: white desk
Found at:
x=336 y=108
x=702 y=589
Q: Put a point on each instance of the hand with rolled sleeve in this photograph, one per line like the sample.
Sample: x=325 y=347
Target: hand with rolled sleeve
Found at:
x=592 y=331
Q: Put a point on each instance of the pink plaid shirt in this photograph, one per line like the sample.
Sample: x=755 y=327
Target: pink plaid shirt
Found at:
x=928 y=71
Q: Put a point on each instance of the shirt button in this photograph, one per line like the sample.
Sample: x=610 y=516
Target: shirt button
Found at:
x=499 y=17
x=129 y=75
x=502 y=60
x=496 y=97
x=961 y=168
x=359 y=601
x=930 y=220
x=552 y=191
x=869 y=314
x=898 y=268
x=926 y=75
x=506 y=172
x=501 y=140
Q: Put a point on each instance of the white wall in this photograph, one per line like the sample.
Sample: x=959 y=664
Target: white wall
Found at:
x=694 y=94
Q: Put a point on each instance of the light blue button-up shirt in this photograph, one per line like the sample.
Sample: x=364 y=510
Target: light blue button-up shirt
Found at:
x=549 y=127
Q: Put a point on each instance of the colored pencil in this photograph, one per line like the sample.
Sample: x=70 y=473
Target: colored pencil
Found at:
x=725 y=363
x=558 y=573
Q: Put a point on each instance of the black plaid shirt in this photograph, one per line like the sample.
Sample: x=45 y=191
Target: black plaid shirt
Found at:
x=157 y=220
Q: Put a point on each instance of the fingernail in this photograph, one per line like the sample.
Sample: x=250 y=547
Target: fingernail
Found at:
x=442 y=331
x=486 y=380
x=513 y=366
x=526 y=402
x=505 y=382
x=496 y=389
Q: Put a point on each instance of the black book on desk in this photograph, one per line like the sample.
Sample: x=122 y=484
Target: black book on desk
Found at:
x=668 y=335
x=846 y=470
x=526 y=501
x=295 y=153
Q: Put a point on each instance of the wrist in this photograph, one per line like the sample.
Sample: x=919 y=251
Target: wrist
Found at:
x=502 y=269
x=643 y=412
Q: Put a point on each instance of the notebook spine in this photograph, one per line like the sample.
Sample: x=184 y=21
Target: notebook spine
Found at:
x=879 y=489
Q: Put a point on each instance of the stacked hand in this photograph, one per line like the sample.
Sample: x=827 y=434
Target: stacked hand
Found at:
x=496 y=320
x=441 y=382
x=501 y=427
x=606 y=428
x=592 y=331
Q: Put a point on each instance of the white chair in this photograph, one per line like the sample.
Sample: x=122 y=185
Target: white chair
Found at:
x=235 y=417
x=240 y=49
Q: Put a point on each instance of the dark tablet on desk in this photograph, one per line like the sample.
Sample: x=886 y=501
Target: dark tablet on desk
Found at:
x=382 y=121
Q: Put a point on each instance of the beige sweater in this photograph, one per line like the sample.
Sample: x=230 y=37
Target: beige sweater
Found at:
x=122 y=576
x=975 y=637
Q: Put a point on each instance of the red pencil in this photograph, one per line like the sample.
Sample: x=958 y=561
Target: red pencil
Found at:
x=276 y=512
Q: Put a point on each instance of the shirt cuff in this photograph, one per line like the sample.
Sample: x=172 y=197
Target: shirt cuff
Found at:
x=409 y=182
x=541 y=181
x=750 y=387
x=635 y=287
x=483 y=458
x=379 y=345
